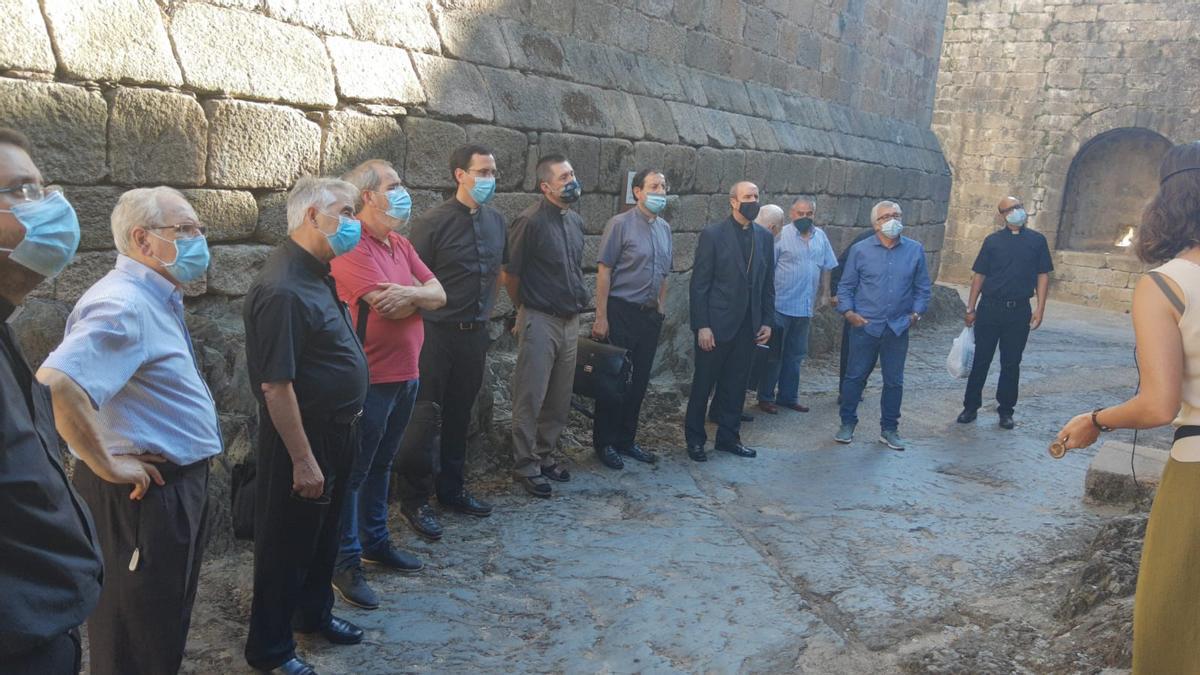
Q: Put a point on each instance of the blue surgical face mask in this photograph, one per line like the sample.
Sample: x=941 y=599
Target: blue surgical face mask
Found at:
x=571 y=192
x=399 y=204
x=655 y=203
x=891 y=229
x=191 y=259
x=485 y=188
x=51 y=234
x=1017 y=217
x=346 y=237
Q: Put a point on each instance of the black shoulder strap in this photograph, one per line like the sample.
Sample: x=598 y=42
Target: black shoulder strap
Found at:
x=1168 y=291
x=360 y=326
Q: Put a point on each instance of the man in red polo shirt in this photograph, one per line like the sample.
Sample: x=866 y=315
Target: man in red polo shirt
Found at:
x=386 y=285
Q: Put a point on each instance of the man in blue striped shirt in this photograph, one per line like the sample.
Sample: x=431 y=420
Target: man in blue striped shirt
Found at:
x=803 y=258
x=884 y=290
x=131 y=403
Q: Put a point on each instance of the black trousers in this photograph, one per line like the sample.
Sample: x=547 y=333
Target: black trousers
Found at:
x=141 y=622
x=725 y=366
x=1004 y=324
x=60 y=655
x=452 y=363
x=295 y=540
x=636 y=329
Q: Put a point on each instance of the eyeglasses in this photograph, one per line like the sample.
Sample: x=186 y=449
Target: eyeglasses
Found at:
x=1012 y=208
x=185 y=230
x=30 y=192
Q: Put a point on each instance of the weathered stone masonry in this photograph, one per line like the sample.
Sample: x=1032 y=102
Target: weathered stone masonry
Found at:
x=1069 y=104
x=232 y=100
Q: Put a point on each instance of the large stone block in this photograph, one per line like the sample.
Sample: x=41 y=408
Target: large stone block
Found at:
x=252 y=145
x=717 y=128
x=524 y=101
x=616 y=161
x=351 y=138
x=510 y=148
x=473 y=37
x=679 y=162
x=93 y=206
x=400 y=23
x=530 y=49
x=231 y=215
x=287 y=64
x=708 y=170
x=118 y=40
x=453 y=88
x=691 y=123
x=429 y=145
x=156 y=137
x=234 y=267
x=623 y=111
x=370 y=72
x=688 y=213
x=85 y=270
x=740 y=125
x=271 y=227
x=323 y=16
x=584 y=110
x=40 y=328
x=589 y=63
x=596 y=210
x=26 y=44
x=646 y=153
x=762 y=133
x=683 y=250
x=658 y=123
x=733 y=169
x=65 y=124
x=726 y=94
x=660 y=79
x=582 y=151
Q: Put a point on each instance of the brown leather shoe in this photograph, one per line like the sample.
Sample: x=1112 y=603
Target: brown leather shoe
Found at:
x=797 y=407
x=768 y=407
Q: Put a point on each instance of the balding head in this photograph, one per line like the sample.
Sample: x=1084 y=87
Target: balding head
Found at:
x=770 y=217
x=743 y=192
x=1011 y=207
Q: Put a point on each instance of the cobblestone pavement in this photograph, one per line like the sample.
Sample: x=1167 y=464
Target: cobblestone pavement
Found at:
x=813 y=557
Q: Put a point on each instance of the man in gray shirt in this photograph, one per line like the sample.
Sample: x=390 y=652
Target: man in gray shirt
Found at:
x=631 y=289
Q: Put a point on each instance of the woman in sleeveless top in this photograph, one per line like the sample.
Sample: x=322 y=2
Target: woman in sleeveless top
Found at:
x=1166 y=320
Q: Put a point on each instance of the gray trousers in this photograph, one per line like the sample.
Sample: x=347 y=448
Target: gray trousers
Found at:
x=541 y=390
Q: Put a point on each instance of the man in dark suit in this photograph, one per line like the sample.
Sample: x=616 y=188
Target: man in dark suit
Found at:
x=732 y=300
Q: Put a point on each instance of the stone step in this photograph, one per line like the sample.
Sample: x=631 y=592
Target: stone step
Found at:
x=1109 y=478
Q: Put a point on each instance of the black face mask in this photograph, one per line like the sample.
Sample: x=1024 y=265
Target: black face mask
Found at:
x=804 y=225
x=749 y=210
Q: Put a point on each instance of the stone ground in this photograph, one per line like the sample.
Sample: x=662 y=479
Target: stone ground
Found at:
x=954 y=556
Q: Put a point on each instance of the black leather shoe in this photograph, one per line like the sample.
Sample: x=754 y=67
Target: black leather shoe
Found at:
x=465 y=502
x=394 y=559
x=1006 y=422
x=966 y=416
x=339 y=632
x=637 y=452
x=537 y=486
x=424 y=521
x=739 y=450
x=293 y=666
x=608 y=457
x=696 y=452
x=747 y=418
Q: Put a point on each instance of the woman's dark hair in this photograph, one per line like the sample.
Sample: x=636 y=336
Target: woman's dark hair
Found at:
x=1171 y=221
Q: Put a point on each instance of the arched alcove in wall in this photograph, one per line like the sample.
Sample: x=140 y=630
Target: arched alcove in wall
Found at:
x=1111 y=179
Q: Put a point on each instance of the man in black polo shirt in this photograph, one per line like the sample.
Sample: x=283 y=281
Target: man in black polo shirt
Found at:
x=1013 y=263
x=544 y=278
x=50 y=566
x=462 y=241
x=309 y=373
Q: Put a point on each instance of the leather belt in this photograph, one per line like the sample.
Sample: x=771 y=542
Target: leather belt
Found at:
x=1187 y=431
x=648 y=307
x=1008 y=304
x=460 y=325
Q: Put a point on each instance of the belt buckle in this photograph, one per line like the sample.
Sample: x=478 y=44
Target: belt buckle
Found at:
x=466 y=325
x=357 y=416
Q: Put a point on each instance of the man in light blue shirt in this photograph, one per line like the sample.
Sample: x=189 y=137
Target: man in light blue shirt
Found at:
x=803 y=258
x=132 y=405
x=884 y=290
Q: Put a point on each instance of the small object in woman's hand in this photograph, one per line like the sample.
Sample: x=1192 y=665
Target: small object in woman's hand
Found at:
x=1058 y=449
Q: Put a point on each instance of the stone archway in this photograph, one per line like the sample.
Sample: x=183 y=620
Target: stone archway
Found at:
x=1109 y=182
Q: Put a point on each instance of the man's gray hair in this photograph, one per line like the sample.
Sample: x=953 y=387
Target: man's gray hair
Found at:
x=368 y=175
x=318 y=192
x=141 y=207
x=881 y=206
x=811 y=201
x=770 y=216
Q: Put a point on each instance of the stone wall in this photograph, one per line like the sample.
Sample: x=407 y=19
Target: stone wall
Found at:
x=1025 y=86
x=232 y=100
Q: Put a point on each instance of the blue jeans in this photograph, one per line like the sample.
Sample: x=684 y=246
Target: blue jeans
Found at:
x=891 y=350
x=784 y=359
x=363 y=523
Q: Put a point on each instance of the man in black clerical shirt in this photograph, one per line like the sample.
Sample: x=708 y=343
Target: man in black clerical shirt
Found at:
x=1013 y=264
x=50 y=569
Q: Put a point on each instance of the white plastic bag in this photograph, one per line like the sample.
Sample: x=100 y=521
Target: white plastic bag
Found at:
x=962 y=354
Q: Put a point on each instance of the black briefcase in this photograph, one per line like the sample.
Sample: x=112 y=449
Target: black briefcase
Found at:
x=602 y=371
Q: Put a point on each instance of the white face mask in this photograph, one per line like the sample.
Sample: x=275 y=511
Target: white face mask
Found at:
x=891 y=229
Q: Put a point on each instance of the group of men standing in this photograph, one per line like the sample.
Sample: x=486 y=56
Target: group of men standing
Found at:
x=366 y=351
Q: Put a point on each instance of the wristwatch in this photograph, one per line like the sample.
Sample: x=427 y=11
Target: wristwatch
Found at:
x=1096 y=422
